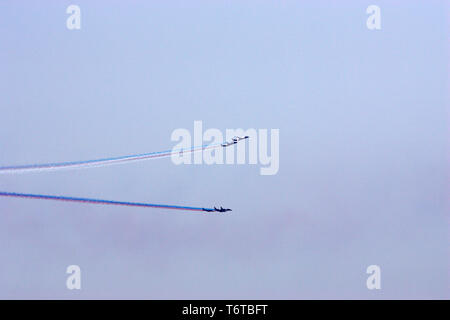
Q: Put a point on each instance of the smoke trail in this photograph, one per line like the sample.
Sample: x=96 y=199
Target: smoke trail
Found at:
x=104 y=202
x=101 y=162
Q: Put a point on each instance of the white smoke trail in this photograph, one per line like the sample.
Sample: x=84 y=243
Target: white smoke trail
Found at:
x=99 y=162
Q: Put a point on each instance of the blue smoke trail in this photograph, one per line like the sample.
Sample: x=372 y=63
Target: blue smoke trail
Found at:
x=102 y=162
x=106 y=202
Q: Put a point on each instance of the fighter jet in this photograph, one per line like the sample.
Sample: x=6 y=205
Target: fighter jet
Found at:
x=222 y=209
x=236 y=138
x=227 y=144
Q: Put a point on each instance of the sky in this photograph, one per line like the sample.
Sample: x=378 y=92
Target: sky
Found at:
x=363 y=149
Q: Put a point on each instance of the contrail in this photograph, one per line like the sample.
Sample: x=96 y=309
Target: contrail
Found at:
x=104 y=202
x=101 y=162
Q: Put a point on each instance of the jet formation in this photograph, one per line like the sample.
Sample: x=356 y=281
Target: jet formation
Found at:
x=51 y=166
x=216 y=209
x=234 y=140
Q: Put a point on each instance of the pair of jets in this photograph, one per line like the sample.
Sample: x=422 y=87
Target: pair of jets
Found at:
x=234 y=140
x=216 y=209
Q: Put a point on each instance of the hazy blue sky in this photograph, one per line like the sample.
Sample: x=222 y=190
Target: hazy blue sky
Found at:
x=363 y=119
